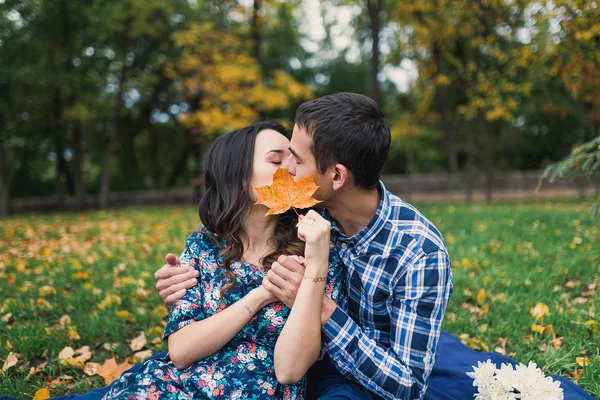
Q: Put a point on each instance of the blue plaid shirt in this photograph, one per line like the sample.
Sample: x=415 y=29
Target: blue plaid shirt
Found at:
x=399 y=283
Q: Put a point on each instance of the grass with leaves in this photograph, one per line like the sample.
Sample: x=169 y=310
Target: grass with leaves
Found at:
x=526 y=279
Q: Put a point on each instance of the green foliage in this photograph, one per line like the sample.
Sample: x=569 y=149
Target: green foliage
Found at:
x=497 y=86
x=584 y=160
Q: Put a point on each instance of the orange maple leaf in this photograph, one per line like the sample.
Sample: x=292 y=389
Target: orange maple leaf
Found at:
x=285 y=193
x=110 y=370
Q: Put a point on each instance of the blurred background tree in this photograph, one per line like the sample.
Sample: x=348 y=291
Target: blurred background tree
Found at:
x=125 y=95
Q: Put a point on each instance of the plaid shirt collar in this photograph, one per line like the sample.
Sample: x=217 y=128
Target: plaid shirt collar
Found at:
x=359 y=243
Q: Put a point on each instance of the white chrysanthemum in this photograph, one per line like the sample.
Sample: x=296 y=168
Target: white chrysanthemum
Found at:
x=483 y=373
x=498 y=392
x=522 y=383
x=529 y=374
x=507 y=376
x=550 y=389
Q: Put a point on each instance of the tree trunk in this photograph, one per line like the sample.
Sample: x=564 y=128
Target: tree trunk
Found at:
x=256 y=35
x=180 y=166
x=198 y=153
x=470 y=169
x=5 y=183
x=113 y=132
x=156 y=169
x=78 y=179
x=447 y=129
x=489 y=185
x=374 y=7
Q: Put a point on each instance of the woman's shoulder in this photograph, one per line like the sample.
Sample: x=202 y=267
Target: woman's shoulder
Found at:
x=203 y=240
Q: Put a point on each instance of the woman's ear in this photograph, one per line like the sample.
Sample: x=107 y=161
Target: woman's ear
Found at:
x=340 y=176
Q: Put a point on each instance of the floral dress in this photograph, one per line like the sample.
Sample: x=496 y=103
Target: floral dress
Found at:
x=244 y=367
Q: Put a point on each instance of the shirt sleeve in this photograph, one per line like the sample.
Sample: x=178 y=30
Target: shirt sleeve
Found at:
x=400 y=370
x=190 y=307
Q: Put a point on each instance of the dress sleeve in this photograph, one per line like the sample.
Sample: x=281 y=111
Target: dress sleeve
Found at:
x=336 y=278
x=190 y=307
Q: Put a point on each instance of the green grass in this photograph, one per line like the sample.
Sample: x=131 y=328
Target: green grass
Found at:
x=506 y=259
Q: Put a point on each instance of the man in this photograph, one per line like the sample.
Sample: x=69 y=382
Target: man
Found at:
x=399 y=276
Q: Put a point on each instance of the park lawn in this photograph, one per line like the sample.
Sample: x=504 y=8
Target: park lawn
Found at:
x=526 y=283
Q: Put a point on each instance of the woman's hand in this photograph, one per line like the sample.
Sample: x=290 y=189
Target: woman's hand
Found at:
x=315 y=231
x=264 y=295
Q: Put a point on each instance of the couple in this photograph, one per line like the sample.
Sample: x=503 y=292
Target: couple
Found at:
x=268 y=297
x=342 y=304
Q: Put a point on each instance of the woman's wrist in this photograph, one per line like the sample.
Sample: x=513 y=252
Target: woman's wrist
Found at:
x=318 y=264
x=259 y=296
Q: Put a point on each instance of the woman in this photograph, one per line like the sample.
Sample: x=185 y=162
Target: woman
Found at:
x=225 y=333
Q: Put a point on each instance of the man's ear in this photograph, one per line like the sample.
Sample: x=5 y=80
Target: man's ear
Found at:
x=340 y=176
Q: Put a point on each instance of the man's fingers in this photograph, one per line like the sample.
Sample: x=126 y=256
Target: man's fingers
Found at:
x=276 y=279
x=290 y=263
x=168 y=271
x=277 y=292
x=299 y=259
x=172 y=259
x=174 y=297
x=166 y=292
x=183 y=276
x=280 y=270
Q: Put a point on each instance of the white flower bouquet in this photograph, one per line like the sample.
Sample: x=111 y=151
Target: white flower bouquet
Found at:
x=508 y=383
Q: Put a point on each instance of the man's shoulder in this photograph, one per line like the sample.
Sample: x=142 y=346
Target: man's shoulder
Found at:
x=412 y=229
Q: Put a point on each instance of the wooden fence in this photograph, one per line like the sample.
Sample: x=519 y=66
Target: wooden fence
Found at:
x=515 y=185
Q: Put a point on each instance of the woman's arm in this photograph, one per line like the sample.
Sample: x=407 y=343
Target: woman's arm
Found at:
x=299 y=345
x=201 y=339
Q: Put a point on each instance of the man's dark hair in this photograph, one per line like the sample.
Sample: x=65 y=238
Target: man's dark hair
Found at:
x=349 y=129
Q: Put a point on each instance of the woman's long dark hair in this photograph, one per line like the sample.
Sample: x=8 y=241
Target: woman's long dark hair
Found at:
x=225 y=203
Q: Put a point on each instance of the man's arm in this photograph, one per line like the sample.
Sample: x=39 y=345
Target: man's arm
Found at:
x=400 y=371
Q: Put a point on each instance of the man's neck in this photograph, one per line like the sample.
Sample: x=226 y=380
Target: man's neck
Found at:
x=354 y=208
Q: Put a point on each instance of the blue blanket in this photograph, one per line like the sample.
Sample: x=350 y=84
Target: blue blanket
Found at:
x=449 y=380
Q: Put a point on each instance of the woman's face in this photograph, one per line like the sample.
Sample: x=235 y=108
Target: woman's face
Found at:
x=270 y=149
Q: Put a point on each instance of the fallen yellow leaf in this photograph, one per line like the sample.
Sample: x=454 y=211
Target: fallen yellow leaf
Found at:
x=110 y=370
x=539 y=311
x=91 y=369
x=66 y=353
x=582 y=361
x=73 y=333
x=110 y=346
x=138 y=342
x=10 y=361
x=83 y=275
x=537 y=328
x=142 y=355
x=42 y=394
x=481 y=296
x=64 y=321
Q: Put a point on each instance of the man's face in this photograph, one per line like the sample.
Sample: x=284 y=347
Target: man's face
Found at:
x=301 y=162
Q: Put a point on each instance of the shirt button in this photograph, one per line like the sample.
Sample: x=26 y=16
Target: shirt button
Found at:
x=344 y=245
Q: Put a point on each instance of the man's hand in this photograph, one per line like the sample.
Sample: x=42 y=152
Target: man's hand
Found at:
x=284 y=278
x=173 y=279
